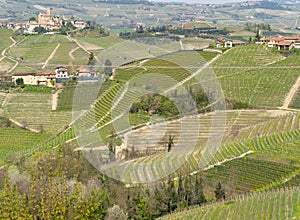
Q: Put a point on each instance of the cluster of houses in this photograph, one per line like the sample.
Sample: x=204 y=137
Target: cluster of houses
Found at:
x=281 y=42
x=57 y=77
x=48 y=78
x=47 y=21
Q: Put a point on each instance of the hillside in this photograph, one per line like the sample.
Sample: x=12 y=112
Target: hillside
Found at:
x=119 y=14
x=156 y=137
x=281 y=204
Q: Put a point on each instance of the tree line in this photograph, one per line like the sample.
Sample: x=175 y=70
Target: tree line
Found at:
x=61 y=184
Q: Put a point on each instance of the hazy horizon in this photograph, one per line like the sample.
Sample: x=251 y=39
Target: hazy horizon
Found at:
x=202 y=1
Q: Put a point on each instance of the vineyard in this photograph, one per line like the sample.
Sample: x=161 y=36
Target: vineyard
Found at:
x=248 y=149
x=15 y=141
x=252 y=86
x=280 y=204
x=33 y=111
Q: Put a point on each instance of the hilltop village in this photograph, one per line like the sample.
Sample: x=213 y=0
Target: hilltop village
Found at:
x=45 y=21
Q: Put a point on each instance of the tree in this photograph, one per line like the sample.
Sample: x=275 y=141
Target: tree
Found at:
x=40 y=30
x=219 y=192
x=116 y=213
x=170 y=143
x=250 y=40
x=257 y=36
x=91 y=58
x=32 y=19
x=71 y=68
x=172 y=196
x=20 y=82
x=108 y=67
x=181 y=192
x=199 y=197
x=70 y=26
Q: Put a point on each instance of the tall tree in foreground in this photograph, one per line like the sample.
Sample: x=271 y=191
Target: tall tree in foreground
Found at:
x=219 y=192
x=199 y=196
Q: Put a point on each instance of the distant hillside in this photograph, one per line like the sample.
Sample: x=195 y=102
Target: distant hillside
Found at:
x=123 y=2
x=266 y=5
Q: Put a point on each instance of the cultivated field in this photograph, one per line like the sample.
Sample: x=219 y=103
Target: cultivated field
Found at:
x=258 y=150
x=33 y=110
x=280 y=204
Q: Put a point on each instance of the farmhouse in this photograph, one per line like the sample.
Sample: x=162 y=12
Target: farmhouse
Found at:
x=282 y=43
x=45 y=78
x=80 y=24
x=222 y=42
x=48 y=78
x=61 y=74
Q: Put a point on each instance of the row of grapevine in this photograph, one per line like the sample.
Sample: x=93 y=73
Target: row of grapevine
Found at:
x=279 y=204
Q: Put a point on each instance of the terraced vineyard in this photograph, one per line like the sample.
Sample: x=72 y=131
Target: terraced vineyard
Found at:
x=236 y=122
x=249 y=174
x=259 y=147
x=281 y=204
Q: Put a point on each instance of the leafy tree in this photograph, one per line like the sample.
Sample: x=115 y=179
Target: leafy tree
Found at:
x=70 y=26
x=172 y=196
x=143 y=209
x=181 y=193
x=20 y=82
x=108 y=67
x=32 y=19
x=199 y=197
x=52 y=197
x=240 y=105
x=116 y=213
x=40 y=30
x=219 y=192
x=250 y=40
x=257 y=36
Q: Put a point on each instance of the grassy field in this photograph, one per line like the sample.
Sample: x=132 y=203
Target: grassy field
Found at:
x=92 y=44
x=6 y=65
x=36 y=54
x=5 y=40
x=25 y=69
x=35 y=49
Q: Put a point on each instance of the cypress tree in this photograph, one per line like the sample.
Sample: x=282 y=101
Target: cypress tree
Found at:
x=219 y=192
